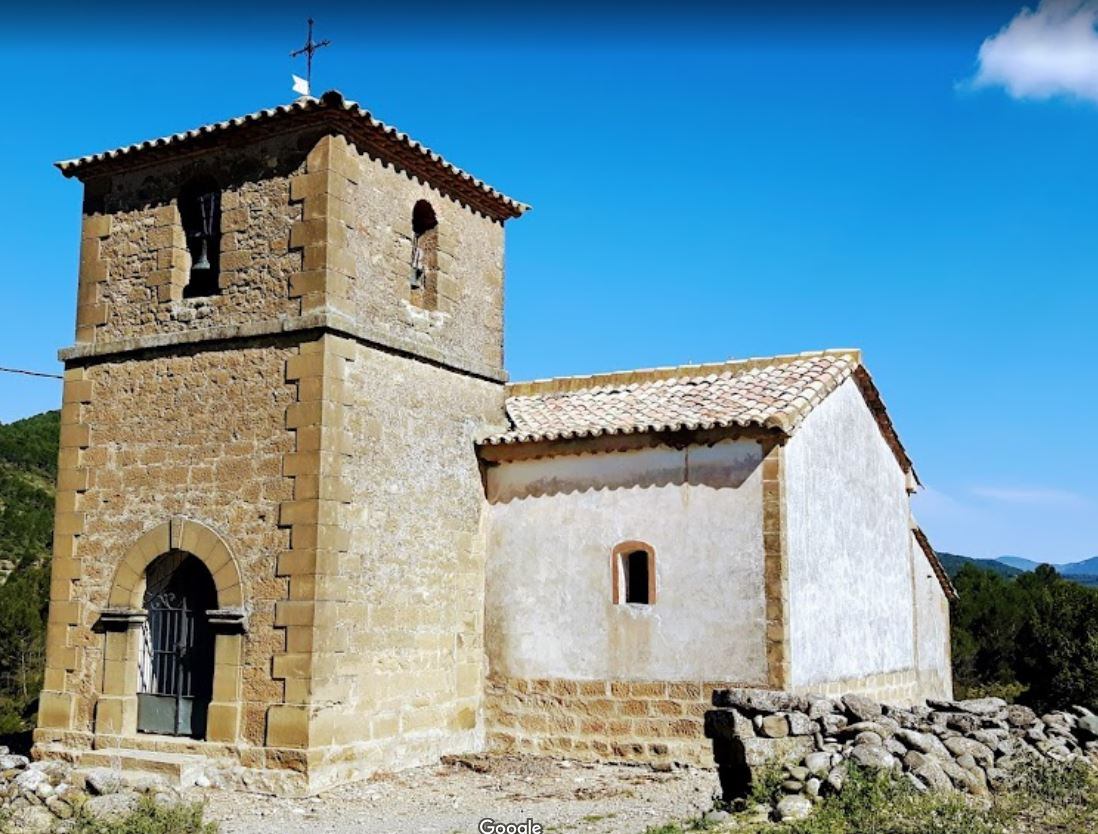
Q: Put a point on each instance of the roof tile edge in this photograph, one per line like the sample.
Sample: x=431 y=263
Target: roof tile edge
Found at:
x=332 y=101
x=564 y=384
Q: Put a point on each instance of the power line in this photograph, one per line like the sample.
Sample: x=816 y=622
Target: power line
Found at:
x=29 y=373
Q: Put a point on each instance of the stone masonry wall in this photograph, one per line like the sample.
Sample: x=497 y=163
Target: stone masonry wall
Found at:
x=405 y=684
x=466 y=325
x=200 y=434
x=655 y=722
x=134 y=261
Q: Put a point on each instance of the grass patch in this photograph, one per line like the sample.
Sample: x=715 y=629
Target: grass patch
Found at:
x=766 y=785
x=696 y=824
x=150 y=818
x=1044 y=798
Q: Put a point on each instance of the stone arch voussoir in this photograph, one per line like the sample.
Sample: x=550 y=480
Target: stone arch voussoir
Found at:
x=190 y=536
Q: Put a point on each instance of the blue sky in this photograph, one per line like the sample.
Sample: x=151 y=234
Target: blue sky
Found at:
x=704 y=186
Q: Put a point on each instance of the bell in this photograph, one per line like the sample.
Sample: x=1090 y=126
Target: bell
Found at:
x=203 y=262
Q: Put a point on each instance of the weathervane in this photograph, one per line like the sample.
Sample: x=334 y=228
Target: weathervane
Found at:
x=304 y=85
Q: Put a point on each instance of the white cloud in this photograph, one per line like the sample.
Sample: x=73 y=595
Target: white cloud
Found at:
x=1049 y=52
x=1039 y=495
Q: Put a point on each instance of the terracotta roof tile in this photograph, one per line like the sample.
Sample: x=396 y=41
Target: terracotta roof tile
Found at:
x=935 y=563
x=771 y=393
x=359 y=123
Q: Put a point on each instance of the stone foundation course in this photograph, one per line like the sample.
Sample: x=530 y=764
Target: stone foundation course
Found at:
x=976 y=746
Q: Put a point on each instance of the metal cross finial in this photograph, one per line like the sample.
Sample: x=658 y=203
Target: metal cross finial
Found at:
x=307 y=50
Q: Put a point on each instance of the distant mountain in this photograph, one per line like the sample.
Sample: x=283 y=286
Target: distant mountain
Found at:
x=1087 y=567
x=953 y=563
x=1019 y=563
x=1084 y=572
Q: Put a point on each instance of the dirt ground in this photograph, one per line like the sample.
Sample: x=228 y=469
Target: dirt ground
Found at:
x=454 y=796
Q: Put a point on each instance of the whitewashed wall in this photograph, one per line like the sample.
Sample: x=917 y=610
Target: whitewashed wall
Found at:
x=932 y=628
x=848 y=525
x=552 y=525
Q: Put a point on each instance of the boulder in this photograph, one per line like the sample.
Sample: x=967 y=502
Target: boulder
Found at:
x=32 y=819
x=833 y=724
x=794 y=807
x=102 y=781
x=59 y=807
x=932 y=775
x=756 y=752
x=772 y=726
x=960 y=746
x=981 y=706
x=798 y=772
x=860 y=708
x=756 y=701
x=727 y=723
x=868 y=737
x=818 y=764
x=894 y=747
x=998 y=779
x=818 y=706
x=836 y=777
x=873 y=756
x=111 y=806
x=29 y=780
x=801 y=725
x=923 y=742
x=9 y=761
x=853 y=730
x=1018 y=715
x=961 y=722
x=941 y=705
x=1087 y=727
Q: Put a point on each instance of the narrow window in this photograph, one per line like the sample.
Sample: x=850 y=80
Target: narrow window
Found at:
x=424 y=278
x=634 y=566
x=636 y=577
x=200 y=211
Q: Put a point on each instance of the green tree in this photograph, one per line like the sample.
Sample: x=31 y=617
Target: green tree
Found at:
x=1057 y=653
x=987 y=618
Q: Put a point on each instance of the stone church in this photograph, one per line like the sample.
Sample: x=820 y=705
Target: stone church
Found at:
x=306 y=530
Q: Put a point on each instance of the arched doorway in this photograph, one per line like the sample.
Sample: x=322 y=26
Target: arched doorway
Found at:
x=176 y=655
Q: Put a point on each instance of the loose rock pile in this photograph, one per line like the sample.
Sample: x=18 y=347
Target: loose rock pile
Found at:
x=972 y=746
x=44 y=797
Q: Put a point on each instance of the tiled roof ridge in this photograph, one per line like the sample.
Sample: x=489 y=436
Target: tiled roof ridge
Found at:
x=935 y=563
x=814 y=382
x=333 y=101
x=684 y=373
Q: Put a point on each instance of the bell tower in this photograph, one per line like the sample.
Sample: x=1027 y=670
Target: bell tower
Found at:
x=288 y=340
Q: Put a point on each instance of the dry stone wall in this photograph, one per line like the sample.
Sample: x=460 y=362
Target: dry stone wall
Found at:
x=973 y=746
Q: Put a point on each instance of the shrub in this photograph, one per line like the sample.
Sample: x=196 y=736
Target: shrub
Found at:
x=875 y=802
x=150 y=818
x=766 y=784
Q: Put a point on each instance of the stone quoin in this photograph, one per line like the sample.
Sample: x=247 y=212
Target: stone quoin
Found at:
x=307 y=531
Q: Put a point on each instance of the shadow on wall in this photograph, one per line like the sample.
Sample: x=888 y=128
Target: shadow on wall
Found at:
x=725 y=465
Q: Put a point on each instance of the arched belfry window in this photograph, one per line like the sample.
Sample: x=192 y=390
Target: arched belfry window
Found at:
x=634 y=573
x=424 y=277
x=200 y=211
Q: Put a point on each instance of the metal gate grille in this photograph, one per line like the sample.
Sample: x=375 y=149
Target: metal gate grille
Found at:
x=171 y=639
x=177 y=649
